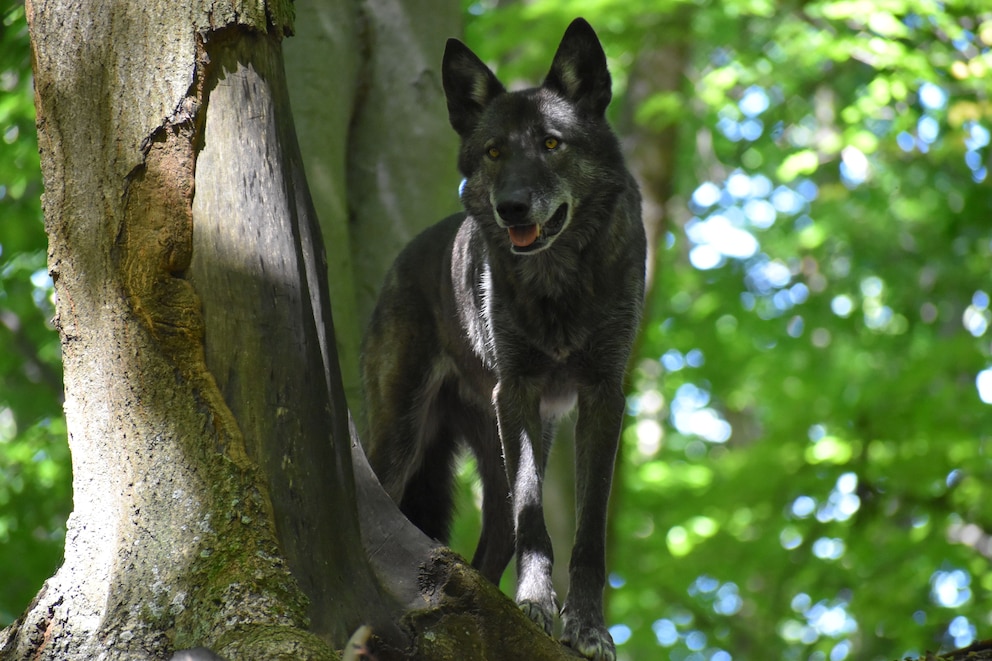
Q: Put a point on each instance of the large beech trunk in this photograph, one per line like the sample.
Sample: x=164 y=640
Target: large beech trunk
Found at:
x=171 y=542
x=215 y=501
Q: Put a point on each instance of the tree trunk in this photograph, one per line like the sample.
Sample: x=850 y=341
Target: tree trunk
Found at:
x=260 y=283
x=651 y=144
x=215 y=500
x=380 y=158
x=171 y=542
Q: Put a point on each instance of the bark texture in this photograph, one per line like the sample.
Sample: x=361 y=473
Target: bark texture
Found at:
x=216 y=507
x=262 y=289
x=378 y=150
x=171 y=542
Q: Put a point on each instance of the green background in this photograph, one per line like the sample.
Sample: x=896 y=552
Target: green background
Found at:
x=805 y=470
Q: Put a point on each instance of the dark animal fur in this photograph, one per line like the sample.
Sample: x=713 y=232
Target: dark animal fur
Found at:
x=478 y=340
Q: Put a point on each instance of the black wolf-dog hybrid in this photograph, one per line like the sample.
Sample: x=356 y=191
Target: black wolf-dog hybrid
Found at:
x=495 y=322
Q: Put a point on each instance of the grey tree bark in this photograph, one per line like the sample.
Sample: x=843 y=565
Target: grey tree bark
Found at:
x=216 y=505
x=167 y=500
x=382 y=167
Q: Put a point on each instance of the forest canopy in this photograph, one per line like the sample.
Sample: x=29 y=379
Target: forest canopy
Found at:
x=805 y=468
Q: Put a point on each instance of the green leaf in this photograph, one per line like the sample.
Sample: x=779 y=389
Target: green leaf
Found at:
x=800 y=163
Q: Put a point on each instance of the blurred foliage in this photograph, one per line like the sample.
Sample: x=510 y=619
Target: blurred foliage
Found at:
x=34 y=457
x=805 y=470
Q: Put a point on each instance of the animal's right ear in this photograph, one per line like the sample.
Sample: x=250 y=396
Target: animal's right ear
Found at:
x=469 y=86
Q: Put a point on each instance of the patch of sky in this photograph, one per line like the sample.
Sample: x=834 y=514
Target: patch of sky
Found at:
x=706 y=195
x=961 y=631
x=803 y=507
x=666 y=632
x=43 y=288
x=928 y=129
x=790 y=538
x=840 y=651
x=647 y=402
x=751 y=129
x=673 y=360
x=728 y=600
x=950 y=588
x=822 y=619
x=842 y=305
x=976 y=317
x=808 y=189
x=717 y=234
x=729 y=127
x=796 y=324
x=832 y=621
x=977 y=136
x=932 y=97
x=695 y=641
x=765 y=276
x=828 y=548
x=788 y=201
x=739 y=185
x=872 y=286
x=843 y=501
x=905 y=141
x=754 y=101
x=983 y=382
x=695 y=358
x=691 y=415
x=854 y=167
x=621 y=633
x=760 y=213
x=727 y=214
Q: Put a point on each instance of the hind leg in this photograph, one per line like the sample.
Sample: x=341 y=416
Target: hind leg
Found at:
x=413 y=462
x=400 y=379
x=496 y=544
x=427 y=499
x=414 y=465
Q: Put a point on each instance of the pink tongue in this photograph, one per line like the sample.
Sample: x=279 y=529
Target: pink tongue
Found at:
x=523 y=235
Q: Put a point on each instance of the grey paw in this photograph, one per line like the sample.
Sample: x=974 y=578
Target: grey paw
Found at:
x=539 y=614
x=592 y=642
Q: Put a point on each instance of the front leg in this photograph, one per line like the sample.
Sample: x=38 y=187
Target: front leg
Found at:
x=597 y=434
x=518 y=415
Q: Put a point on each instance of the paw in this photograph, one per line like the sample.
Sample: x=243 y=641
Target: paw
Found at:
x=539 y=614
x=593 y=642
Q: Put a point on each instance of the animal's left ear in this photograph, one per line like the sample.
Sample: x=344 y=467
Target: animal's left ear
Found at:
x=579 y=71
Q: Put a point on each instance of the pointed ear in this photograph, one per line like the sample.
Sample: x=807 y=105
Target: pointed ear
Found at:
x=579 y=71
x=469 y=86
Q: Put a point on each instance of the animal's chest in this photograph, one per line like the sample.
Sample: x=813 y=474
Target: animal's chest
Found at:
x=553 y=326
x=540 y=336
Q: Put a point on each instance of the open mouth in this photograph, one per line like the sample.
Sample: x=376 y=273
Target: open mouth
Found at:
x=530 y=238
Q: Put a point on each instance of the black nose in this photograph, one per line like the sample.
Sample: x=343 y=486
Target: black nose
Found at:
x=514 y=210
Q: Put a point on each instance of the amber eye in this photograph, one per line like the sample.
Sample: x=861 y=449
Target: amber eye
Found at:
x=493 y=152
x=551 y=143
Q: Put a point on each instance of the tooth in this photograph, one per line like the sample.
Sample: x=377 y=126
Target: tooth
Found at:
x=538 y=229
